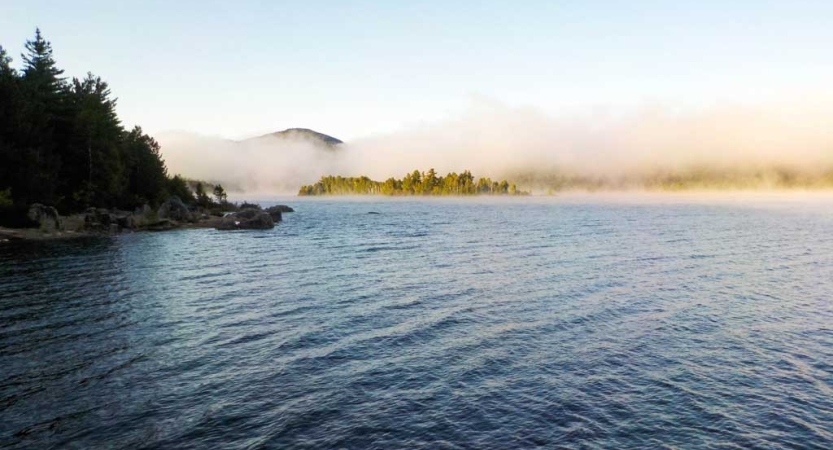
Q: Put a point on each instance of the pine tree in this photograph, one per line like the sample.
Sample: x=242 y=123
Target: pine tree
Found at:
x=8 y=119
x=63 y=144
x=220 y=194
x=44 y=123
x=92 y=169
x=145 y=173
x=177 y=186
x=39 y=66
x=5 y=64
x=202 y=196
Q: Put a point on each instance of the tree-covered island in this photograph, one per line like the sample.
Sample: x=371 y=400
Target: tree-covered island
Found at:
x=414 y=183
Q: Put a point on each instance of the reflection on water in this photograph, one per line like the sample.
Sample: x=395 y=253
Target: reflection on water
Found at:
x=582 y=323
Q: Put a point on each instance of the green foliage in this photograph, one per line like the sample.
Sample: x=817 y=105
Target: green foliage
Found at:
x=146 y=175
x=414 y=183
x=179 y=187
x=61 y=143
x=220 y=194
x=203 y=200
x=6 y=198
x=5 y=63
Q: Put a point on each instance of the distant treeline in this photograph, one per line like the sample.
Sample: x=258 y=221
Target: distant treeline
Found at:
x=414 y=183
x=62 y=144
x=691 y=178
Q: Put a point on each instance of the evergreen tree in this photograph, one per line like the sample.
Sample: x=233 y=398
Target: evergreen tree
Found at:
x=220 y=194
x=202 y=197
x=39 y=65
x=5 y=62
x=177 y=186
x=43 y=123
x=145 y=172
x=8 y=119
x=92 y=169
x=63 y=144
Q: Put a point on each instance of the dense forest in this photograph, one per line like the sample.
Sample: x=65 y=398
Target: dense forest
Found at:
x=414 y=183
x=62 y=144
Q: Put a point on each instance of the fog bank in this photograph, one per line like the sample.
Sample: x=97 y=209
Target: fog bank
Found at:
x=788 y=139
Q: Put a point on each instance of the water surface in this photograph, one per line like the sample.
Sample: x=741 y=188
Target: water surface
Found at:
x=585 y=322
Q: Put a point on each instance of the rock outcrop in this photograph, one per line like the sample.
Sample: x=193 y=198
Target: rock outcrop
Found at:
x=100 y=219
x=114 y=220
x=281 y=208
x=46 y=217
x=277 y=211
x=174 y=209
x=248 y=219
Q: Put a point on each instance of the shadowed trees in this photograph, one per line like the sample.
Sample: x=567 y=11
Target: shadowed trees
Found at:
x=62 y=143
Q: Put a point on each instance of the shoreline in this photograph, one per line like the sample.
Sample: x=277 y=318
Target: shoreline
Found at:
x=172 y=215
x=9 y=235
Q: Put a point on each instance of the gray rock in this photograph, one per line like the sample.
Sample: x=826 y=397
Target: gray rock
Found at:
x=281 y=208
x=174 y=209
x=46 y=217
x=277 y=210
x=246 y=214
x=127 y=221
x=248 y=219
x=99 y=219
x=113 y=221
x=144 y=210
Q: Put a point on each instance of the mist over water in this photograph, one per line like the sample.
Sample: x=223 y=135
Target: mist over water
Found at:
x=747 y=146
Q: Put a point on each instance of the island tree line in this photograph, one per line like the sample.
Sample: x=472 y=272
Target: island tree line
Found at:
x=62 y=144
x=414 y=183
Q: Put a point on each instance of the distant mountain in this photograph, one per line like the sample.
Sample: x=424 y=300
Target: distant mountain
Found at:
x=305 y=134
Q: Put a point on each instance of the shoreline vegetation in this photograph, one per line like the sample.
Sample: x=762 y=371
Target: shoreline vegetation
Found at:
x=63 y=145
x=412 y=184
x=69 y=168
x=695 y=178
x=44 y=222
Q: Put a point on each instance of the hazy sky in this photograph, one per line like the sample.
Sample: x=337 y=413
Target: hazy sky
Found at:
x=352 y=69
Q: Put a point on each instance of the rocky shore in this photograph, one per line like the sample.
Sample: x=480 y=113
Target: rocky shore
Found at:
x=171 y=215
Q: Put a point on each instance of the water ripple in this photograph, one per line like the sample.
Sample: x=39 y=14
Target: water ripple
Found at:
x=434 y=324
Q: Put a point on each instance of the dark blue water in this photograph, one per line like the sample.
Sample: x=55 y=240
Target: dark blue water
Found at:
x=582 y=323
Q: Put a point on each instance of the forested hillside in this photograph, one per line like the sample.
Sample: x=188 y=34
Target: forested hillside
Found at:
x=62 y=144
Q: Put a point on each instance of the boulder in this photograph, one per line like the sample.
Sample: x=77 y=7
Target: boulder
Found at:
x=248 y=219
x=114 y=221
x=174 y=209
x=281 y=208
x=46 y=217
x=99 y=219
x=144 y=210
x=275 y=215
x=277 y=210
x=141 y=217
x=128 y=221
x=246 y=214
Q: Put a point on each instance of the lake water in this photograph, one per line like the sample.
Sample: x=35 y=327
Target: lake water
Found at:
x=573 y=322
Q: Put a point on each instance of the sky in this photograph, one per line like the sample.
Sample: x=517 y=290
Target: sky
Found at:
x=356 y=69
